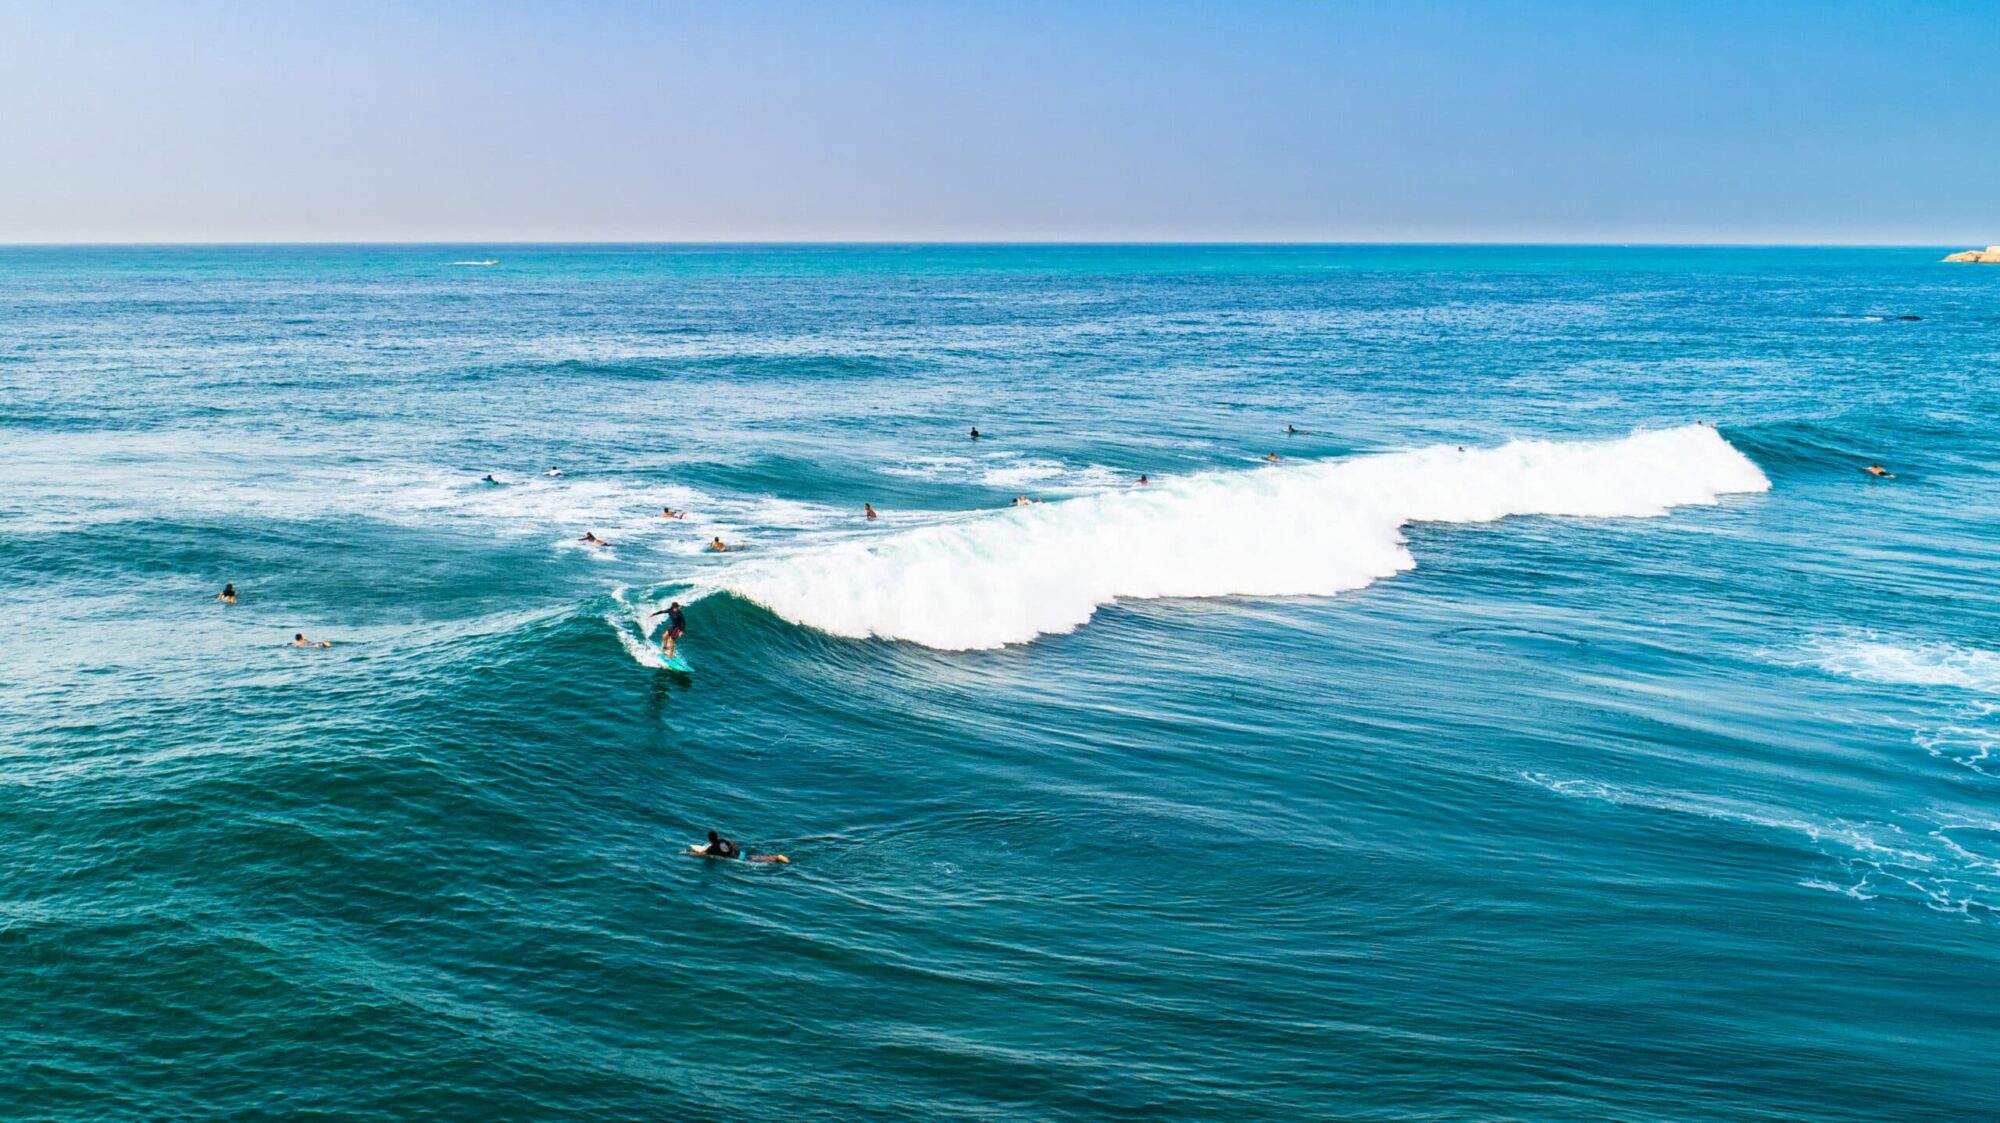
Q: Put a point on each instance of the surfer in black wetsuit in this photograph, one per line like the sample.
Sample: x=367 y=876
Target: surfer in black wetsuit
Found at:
x=676 y=627
x=975 y=432
x=720 y=847
x=228 y=593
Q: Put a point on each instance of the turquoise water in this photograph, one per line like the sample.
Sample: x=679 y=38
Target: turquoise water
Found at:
x=1577 y=774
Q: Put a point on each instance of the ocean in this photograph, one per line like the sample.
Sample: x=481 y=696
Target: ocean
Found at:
x=1563 y=727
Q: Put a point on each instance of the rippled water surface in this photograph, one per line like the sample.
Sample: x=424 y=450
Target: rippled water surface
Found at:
x=1565 y=727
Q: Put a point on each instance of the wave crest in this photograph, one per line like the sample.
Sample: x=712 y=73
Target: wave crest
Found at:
x=1307 y=529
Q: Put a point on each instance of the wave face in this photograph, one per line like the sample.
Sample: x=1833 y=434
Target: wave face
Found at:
x=1309 y=529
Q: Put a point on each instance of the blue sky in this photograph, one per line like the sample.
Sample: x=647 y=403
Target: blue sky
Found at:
x=1528 y=121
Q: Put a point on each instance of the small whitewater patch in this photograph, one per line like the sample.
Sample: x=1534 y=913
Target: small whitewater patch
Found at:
x=1314 y=528
x=1957 y=722
x=1011 y=472
x=1872 y=659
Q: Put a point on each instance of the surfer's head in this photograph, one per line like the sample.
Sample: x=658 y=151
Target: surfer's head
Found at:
x=713 y=837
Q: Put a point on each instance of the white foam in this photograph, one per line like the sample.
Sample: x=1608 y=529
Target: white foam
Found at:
x=1925 y=859
x=1010 y=471
x=1912 y=664
x=1021 y=474
x=1314 y=528
x=1970 y=739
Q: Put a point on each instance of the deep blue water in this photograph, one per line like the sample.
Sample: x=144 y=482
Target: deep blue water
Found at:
x=1664 y=786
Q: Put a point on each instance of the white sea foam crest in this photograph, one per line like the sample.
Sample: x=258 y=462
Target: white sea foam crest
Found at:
x=1314 y=528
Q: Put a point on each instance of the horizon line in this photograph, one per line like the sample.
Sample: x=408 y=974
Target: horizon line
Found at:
x=975 y=243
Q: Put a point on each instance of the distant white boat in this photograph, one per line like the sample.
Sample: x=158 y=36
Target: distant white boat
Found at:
x=488 y=261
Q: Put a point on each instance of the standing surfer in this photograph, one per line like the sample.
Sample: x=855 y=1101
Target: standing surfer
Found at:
x=676 y=627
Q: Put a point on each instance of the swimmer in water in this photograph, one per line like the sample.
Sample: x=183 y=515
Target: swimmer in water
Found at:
x=553 y=472
x=869 y=508
x=590 y=538
x=676 y=627
x=670 y=513
x=1272 y=456
x=228 y=593
x=975 y=432
x=1878 y=470
x=717 y=545
x=1144 y=481
x=1024 y=501
x=489 y=479
x=299 y=640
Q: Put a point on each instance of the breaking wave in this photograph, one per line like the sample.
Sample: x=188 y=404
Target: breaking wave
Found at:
x=1314 y=528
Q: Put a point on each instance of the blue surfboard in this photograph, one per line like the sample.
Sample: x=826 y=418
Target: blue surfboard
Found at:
x=677 y=663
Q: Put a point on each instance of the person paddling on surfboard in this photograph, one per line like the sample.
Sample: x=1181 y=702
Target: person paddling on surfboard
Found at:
x=719 y=847
x=676 y=627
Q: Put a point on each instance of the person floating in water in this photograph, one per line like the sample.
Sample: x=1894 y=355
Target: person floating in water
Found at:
x=1878 y=470
x=299 y=640
x=1272 y=456
x=553 y=472
x=228 y=593
x=975 y=432
x=1024 y=501
x=676 y=627
x=717 y=545
x=869 y=509
x=1292 y=432
x=489 y=479
x=670 y=513
x=590 y=538
x=1144 y=481
x=720 y=847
